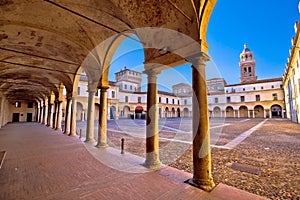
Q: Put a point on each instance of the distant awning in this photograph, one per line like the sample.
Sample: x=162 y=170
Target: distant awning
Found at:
x=139 y=108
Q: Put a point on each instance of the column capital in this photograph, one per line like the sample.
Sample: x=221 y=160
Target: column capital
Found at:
x=198 y=59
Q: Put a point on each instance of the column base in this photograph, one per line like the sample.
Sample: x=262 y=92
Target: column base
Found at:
x=90 y=140
x=72 y=134
x=206 y=185
x=58 y=129
x=99 y=145
x=67 y=132
x=153 y=164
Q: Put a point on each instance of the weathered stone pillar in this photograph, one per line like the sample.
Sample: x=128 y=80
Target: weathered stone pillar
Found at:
x=202 y=173
x=102 y=132
x=73 y=117
x=68 y=116
x=45 y=112
x=59 y=116
x=56 y=115
x=50 y=118
x=253 y=113
x=233 y=113
x=248 y=114
x=239 y=114
x=90 y=117
x=152 y=137
x=41 y=112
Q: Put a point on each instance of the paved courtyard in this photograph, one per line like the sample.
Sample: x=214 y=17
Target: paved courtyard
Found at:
x=45 y=164
x=271 y=147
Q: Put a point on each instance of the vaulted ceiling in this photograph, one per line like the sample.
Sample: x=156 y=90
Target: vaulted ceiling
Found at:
x=43 y=43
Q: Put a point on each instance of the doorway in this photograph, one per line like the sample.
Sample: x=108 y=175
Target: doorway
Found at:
x=16 y=117
x=29 y=117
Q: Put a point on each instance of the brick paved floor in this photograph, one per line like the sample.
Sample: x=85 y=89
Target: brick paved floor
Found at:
x=45 y=164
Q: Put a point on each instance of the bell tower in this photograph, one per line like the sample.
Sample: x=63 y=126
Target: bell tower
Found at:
x=247 y=66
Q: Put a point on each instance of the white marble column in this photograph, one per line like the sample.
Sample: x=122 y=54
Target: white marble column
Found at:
x=90 y=117
x=202 y=171
x=102 y=132
x=50 y=118
x=45 y=113
x=73 y=117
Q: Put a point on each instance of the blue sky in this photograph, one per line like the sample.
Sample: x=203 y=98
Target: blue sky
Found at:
x=266 y=26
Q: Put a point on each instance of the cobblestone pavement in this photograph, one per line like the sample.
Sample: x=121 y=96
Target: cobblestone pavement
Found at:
x=45 y=164
x=273 y=148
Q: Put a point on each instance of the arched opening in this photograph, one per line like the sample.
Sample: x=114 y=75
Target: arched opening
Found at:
x=229 y=111
x=276 y=111
x=259 y=111
x=178 y=112
x=243 y=110
x=80 y=114
x=217 y=112
x=173 y=112
x=166 y=112
x=112 y=112
x=126 y=112
x=185 y=112
x=138 y=112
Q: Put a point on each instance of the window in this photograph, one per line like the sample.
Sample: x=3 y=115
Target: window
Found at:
x=167 y=100
x=220 y=86
x=257 y=97
x=216 y=100
x=113 y=94
x=244 y=89
x=126 y=98
x=173 y=101
x=275 y=96
x=228 y=100
x=249 y=69
x=185 y=102
x=125 y=87
x=242 y=98
x=253 y=88
x=178 y=102
x=78 y=90
x=139 y=99
x=272 y=86
x=30 y=105
x=159 y=99
x=135 y=89
x=18 y=104
x=262 y=87
x=131 y=87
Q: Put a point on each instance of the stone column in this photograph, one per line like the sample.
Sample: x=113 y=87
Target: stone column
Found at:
x=90 y=117
x=248 y=114
x=152 y=137
x=233 y=113
x=73 y=117
x=253 y=113
x=224 y=113
x=239 y=114
x=45 y=113
x=41 y=112
x=68 y=116
x=102 y=132
x=202 y=173
x=56 y=115
x=50 y=118
x=59 y=116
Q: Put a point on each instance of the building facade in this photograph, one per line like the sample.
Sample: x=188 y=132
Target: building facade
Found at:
x=251 y=98
x=291 y=79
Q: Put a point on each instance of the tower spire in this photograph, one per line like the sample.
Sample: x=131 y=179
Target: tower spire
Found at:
x=247 y=66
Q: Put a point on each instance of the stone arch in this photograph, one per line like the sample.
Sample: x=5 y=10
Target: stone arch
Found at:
x=217 y=111
x=259 y=111
x=178 y=112
x=276 y=111
x=126 y=112
x=186 y=112
x=243 y=110
x=229 y=111
x=173 y=112
x=166 y=112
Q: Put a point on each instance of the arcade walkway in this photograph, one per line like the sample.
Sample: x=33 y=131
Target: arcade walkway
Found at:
x=45 y=164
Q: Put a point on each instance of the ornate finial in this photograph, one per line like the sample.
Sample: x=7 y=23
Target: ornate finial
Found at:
x=245 y=46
